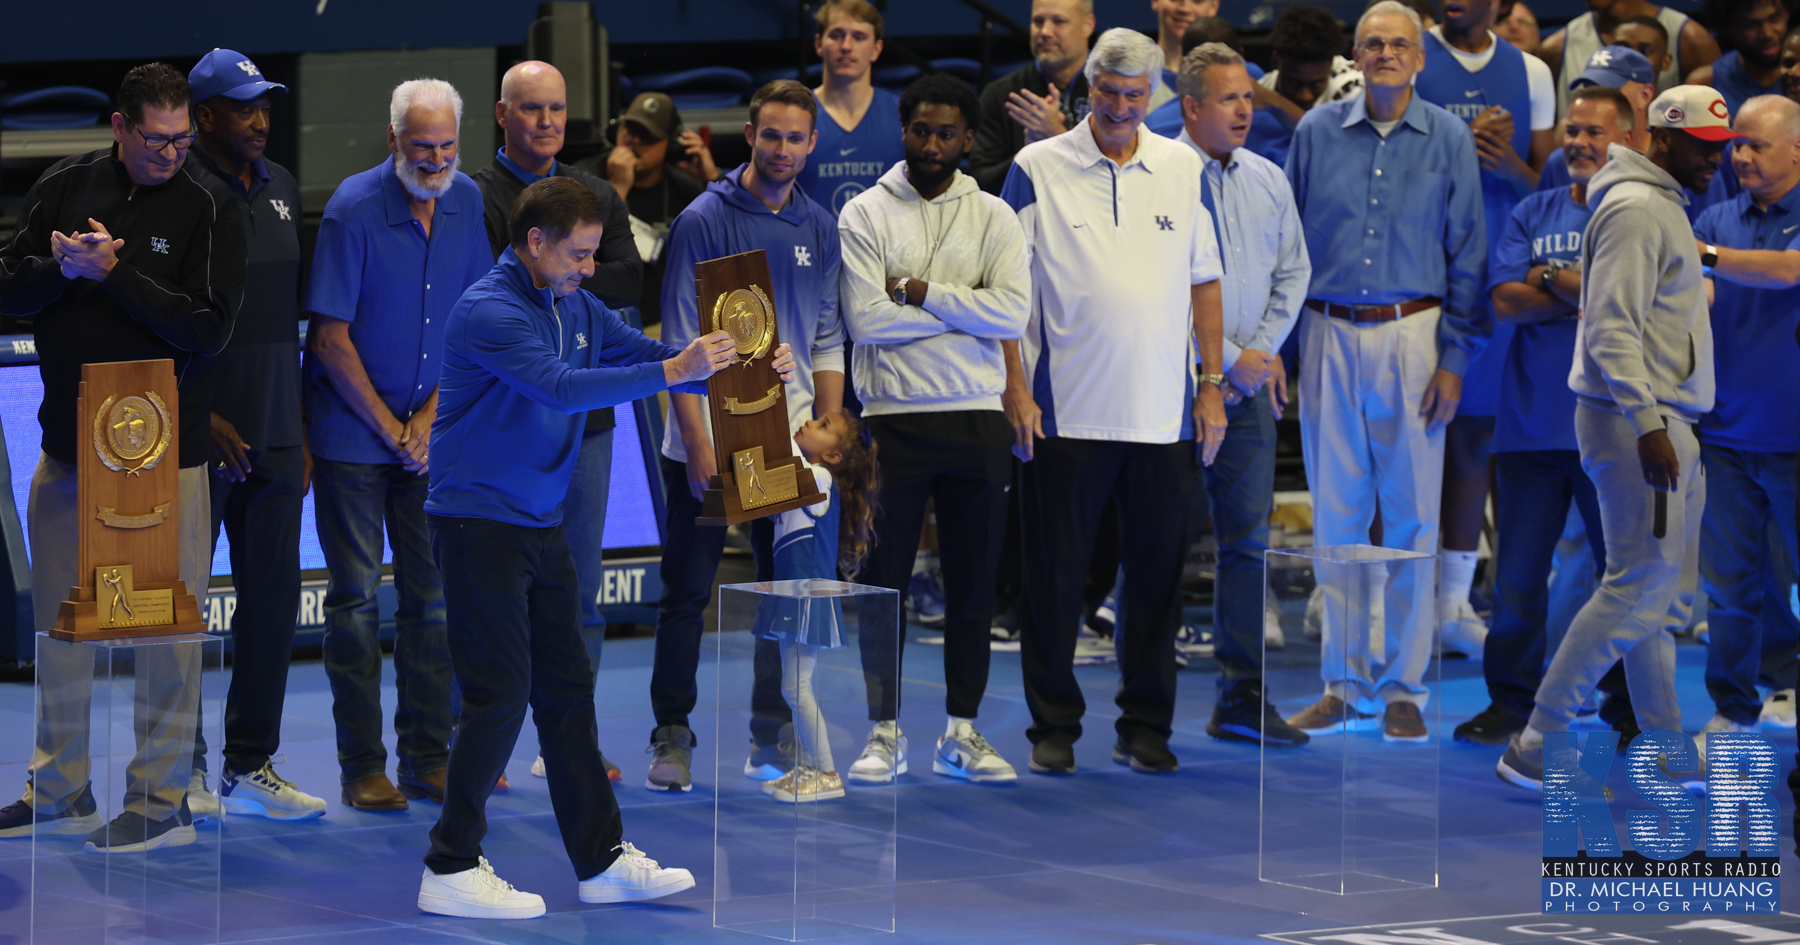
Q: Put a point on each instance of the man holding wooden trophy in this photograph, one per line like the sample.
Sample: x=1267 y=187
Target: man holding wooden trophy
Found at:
x=132 y=267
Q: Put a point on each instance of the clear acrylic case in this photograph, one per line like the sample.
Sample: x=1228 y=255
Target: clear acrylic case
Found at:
x=1353 y=811
x=802 y=863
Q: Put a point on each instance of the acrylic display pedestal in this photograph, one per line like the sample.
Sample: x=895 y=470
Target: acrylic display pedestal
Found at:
x=97 y=692
x=822 y=869
x=1351 y=812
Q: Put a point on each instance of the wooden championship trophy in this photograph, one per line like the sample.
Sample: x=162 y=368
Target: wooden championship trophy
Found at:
x=128 y=490
x=758 y=472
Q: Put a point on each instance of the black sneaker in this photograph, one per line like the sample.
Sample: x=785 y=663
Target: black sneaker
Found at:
x=1050 y=757
x=1493 y=728
x=1243 y=715
x=1146 y=754
x=80 y=816
x=131 y=832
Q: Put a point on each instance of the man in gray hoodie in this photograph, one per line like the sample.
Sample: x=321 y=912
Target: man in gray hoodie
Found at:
x=934 y=277
x=1642 y=376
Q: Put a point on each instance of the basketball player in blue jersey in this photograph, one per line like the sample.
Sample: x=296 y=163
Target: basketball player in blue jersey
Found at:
x=859 y=124
x=1509 y=100
x=1755 y=29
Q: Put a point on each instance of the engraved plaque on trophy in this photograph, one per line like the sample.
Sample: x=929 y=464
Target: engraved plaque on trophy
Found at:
x=128 y=486
x=758 y=472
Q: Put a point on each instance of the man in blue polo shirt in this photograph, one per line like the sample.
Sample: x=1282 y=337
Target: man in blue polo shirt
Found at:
x=398 y=245
x=527 y=353
x=259 y=477
x=1748 y=443
x=757 y=206
x=1536 y=287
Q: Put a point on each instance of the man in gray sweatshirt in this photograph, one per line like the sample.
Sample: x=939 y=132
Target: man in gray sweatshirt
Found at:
x=934 y=277
x=1642 y=376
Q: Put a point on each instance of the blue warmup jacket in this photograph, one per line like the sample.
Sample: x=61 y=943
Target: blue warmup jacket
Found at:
x=520 y=371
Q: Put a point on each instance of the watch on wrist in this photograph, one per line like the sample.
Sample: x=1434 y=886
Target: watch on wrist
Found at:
x=1710 y=258
x=1216 y=380
x=900 y=290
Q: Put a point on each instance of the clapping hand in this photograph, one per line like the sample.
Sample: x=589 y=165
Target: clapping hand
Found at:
x=86 y=255
x=1041 y=117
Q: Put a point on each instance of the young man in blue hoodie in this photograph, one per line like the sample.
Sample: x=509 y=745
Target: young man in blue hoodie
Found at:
x=756 y=206
x=527 y=353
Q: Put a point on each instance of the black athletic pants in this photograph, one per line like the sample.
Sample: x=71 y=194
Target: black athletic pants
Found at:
x=514 y=609
x=1064 y=491
x=962 y=462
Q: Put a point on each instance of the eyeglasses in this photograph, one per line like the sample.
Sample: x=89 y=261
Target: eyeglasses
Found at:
x=159 y=142
x=1398 y=47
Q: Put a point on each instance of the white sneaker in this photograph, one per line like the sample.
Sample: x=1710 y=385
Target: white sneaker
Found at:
x=634 y=877
x=476 y=894
x=202 y=803
x=883 y=758
x=537 y=768
x=1273 y=637
x=1462 y=631
x=965 y=754
x=1778 y=709
x=1313 y=623
x=266 y=794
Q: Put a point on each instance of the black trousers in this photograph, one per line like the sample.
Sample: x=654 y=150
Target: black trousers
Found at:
x=1064 y=491
x=962 y=461
x=690 y=561
x=261 y=516
x=514 y=609
x=1103 y=565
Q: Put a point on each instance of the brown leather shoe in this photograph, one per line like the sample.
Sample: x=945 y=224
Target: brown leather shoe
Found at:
x=1401 y=722
x=425 y=787
x=374 y=792
x=1330 y=715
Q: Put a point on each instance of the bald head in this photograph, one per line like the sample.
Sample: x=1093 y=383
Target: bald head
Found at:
x=533 y=112
x=1767 y=160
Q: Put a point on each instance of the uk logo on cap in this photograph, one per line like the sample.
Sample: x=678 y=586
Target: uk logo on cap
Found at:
x=248 y=67
x=1600 y=57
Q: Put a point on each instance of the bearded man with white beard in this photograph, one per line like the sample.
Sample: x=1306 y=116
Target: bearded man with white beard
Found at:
x=398 y=245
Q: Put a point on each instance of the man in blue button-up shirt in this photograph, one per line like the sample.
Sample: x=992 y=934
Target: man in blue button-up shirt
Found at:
x=1749 y=441
x=1389 y=190
x=398 y=245
x=1266 y=275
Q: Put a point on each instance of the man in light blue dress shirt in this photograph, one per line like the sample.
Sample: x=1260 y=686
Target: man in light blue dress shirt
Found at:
x=1389 y=190
x=1266 y=275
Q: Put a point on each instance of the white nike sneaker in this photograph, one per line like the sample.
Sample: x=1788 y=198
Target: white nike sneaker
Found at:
x=266 y=794
x=537 y=768
x=476 y=894
x=202 y=803
x=634 y=877
x=1462 y=631
x=883 y=758
x=965 y=754
x=1778 y=709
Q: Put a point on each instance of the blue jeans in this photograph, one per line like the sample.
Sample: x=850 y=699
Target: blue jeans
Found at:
x=1536 y=487
x=353 y=502
x=1746 y=490
x=1241 y=487
x=584 y=521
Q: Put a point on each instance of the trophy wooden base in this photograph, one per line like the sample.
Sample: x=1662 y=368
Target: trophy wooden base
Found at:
x=724 y=506
x=78 y=621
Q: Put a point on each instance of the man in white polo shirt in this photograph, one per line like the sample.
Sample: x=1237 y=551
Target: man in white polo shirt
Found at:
x=1102 y=394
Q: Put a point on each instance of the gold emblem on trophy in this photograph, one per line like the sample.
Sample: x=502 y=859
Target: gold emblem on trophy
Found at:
x=747 y=316
x=130 y=430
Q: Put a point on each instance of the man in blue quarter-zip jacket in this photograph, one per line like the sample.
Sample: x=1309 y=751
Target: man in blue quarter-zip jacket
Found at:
x=527 y=352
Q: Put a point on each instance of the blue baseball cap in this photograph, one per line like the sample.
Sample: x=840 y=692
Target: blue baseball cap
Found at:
x=1613 y=66
x=230 y=73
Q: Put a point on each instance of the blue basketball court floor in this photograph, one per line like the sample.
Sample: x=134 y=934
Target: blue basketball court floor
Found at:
x=1107 y=857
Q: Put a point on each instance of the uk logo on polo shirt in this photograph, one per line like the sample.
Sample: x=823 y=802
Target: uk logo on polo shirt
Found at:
x=159 y=245
x=1165 y=223
x=802 y=256
x=281 y=208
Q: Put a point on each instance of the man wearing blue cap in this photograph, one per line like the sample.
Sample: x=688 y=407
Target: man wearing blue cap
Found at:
x=260 y=467
x=1626 y=69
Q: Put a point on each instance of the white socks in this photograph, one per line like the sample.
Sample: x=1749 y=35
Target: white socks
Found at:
x=1456 y=573
x=950 y=729
x=1530 y=738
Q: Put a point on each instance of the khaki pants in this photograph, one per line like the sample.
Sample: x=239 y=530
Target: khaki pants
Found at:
x=167 y=684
